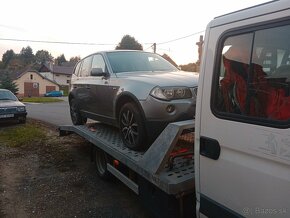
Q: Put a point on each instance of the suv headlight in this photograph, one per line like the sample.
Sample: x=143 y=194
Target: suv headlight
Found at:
x=171 y=93
x=21 y=109
x=194 y=93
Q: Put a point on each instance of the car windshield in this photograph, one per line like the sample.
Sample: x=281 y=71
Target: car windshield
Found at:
x=132 y=61
x=7 y=95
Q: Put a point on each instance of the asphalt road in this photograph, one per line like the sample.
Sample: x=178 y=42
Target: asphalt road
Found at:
x=54 y=113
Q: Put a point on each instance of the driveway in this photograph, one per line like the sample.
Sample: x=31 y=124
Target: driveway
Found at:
x=54 y=113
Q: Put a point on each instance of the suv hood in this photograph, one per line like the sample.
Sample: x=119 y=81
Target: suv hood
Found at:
x=174 y=78
x=10 y=103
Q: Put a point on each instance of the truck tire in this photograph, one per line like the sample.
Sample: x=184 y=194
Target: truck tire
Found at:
x=132 y=127
x=75 y=114
x=101 y=160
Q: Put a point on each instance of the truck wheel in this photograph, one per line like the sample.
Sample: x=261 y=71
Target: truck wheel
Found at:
x=75 y=114
x=101 y=160
x=132 y=127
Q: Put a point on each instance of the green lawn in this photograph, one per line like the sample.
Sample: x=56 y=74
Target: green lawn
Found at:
x=21 y=135
x=41 y=99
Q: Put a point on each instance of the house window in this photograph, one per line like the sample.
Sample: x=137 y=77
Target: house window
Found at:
x=31 y=76
x=56 y=74
x=68 y=81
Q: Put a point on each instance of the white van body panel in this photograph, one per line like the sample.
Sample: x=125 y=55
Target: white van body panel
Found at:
x=252 y=174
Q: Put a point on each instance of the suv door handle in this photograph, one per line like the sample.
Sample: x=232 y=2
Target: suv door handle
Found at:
x=209 y=148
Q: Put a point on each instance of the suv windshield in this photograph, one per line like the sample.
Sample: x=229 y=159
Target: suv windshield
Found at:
x=131 y=61
x=7 y=95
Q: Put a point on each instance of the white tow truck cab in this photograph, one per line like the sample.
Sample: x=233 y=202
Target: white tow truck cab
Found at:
x=242 y=135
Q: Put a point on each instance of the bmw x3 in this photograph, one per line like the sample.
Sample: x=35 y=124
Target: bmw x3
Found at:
x=138 y=92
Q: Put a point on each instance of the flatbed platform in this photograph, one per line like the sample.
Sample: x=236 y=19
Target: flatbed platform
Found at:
x=153 y=164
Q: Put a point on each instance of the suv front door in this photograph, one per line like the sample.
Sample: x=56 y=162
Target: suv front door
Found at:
x=102 y=93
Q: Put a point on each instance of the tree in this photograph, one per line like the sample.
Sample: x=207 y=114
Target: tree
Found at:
x=60 y=59
x=16 y=64
x=129 y=42
x=27 y=55
x=43 y=56
x=7 y=83
x=75 y=59
x=7 y=57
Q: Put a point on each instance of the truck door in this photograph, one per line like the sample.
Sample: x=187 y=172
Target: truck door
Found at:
x=243 y=118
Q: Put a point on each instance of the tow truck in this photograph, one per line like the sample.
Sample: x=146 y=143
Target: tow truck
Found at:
x=224 y=163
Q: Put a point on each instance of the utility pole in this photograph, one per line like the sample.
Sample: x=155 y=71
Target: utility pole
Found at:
x=154 y=47
x=199 y=44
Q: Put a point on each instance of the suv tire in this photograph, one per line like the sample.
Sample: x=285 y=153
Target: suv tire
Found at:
x=132 y=128
x=75 y=114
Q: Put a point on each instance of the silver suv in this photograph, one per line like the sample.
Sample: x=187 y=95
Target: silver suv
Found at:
x=136 y=91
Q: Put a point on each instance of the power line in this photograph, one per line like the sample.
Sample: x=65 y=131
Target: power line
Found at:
x=90 y=43
x=173 y=40
x=54 y=42
x=149 y=46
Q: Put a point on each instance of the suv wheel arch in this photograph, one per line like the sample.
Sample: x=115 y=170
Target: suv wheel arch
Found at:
x=126 y=98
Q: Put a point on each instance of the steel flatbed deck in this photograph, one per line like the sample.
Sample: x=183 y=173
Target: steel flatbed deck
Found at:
x=151 y=164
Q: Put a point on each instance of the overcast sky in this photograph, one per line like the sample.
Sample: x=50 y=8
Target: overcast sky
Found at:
x=105 y=22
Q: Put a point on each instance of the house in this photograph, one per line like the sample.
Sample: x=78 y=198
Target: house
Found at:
x=60 y=74
x=32 y=83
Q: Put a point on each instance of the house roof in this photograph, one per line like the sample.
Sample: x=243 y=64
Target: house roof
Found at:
x=34 y=71
x=56 y=69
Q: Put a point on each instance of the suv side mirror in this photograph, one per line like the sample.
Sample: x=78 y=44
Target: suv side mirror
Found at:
x=98 y=72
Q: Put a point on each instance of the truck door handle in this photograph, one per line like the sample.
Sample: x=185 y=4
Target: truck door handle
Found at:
x=209 y=148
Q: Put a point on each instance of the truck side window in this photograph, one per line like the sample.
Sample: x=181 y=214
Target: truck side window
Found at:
x=254 y=75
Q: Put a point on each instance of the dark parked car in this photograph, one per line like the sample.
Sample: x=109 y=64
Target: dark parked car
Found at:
x=53 y=94
x=11 y=108
x=137 y=91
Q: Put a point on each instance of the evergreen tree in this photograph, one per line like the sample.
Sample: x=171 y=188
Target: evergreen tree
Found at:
x=43 y=56
x=7 y=83
x=60 y=60
x=7 y=57
x=26 y=54
x=129 y=42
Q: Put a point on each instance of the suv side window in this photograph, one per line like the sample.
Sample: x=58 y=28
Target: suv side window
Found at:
x=254 y=76
x=86 y=67
x=76 y=72
x=98 y=62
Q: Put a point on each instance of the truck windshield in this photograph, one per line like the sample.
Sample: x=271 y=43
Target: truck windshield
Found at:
x=134 y=61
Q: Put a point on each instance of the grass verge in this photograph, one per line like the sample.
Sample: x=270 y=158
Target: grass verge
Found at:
x=41 y=99
x=21 y=135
